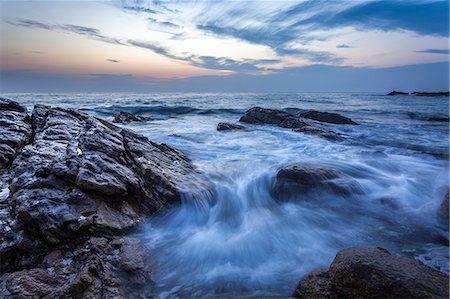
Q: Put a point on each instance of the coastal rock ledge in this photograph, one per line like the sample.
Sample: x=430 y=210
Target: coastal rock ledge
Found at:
x=74 y=186
x=373 y=273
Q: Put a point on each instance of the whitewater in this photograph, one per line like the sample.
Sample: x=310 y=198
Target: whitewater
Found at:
x=241 y=239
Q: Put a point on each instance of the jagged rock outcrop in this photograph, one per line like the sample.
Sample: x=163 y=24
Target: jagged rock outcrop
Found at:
x=373 y=273
x=15 y=130
x=223 y=126
x=298 y=179
x=327 y=117
x=72 y=179
x=125 y=117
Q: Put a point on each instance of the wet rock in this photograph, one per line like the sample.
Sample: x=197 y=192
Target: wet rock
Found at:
x=374 y=273
x=222 y=126
x=443 y=211
x=293 y=123
x=397 y=93
x=32 y=283
x=432 y=94
x=15 y=130
x=297 y=179
x=439 y=119
x=311 y=130
x=327 y=117
x=125 y=117
x=258 y=115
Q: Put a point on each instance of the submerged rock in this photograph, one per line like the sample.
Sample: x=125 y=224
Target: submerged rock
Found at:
x=311 y=130
x=443 y=211
x=292 y=123
x=432 y=94
x=397 y=93
x=126 y=117
x=297 y=179
x=439 y=119
x=258 y=115
x=222 y=126
x=15 y=130
x=373 y=273
x=327 y=117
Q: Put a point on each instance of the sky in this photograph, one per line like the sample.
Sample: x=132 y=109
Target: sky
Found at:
x=229 y=46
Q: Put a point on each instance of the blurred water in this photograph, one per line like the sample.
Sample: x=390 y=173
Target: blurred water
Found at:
x=243 y=241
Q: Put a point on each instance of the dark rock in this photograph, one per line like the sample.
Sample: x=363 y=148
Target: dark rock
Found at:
x=439 y=119
x=311 y=130
x=32 y=283
x=126 y=117
x=15 y=130
x=443 y=211
x=432 y=94
x=222 y=126
x=327 y=117
x=374 y=273
x=258 y=115
x=297 y=179
x=293 y=123
x=397 y=93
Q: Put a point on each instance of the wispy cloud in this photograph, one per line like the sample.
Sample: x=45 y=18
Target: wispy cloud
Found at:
x=344 y=46
x=113 y=60
x=435 y=51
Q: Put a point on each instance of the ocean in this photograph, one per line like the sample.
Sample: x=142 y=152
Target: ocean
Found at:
x=244 y=241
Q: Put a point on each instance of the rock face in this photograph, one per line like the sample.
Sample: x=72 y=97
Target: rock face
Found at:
x=222 y=126
x=73 y=177
x=373 y=273
x=397 y=93
x=15 y=130
x=258 y=115
x=327 y=117
x=297 y=179
x=126 y=117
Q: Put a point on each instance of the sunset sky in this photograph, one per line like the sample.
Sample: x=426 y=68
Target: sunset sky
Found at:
x=224 y=46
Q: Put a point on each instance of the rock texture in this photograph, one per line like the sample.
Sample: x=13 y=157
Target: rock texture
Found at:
x=443 y=211
x=15 y=130
x=71 y=179
x=126 y=117
x=222 y=126
x=258 y=115
x=327 y=117
x=297 y=179
x=373 y=273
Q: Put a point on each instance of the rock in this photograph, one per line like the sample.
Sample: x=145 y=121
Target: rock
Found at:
x=432 y=94
x=439 y=119
x=397 y=93
x=297 y=179
x=374 y=273
x=311 y=130
x=258 y=115
x=222 y=126
x=32 y=283
x=15 y=130
x=126 y=117
x=443 y=211
x=293 y=123
x=327 y=117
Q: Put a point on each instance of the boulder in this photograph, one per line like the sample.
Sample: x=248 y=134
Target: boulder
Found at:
x=15 y=130
x=439 y=119
x=292 y=123
x=297 y=179
x=126 y=117
x=397 y=93
x=311 y=130
x=327 y=117
x=222 y=126
x=373 y=273
x=258 y=115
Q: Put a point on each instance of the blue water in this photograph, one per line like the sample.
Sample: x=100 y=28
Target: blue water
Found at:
x=245 y=242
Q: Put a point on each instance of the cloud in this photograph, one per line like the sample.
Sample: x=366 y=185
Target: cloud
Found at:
x=344 y=46
x=89 y=32
x=113 y=60
x=435 y=51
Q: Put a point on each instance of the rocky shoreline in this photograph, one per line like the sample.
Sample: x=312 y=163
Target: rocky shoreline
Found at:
x=74 y=187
